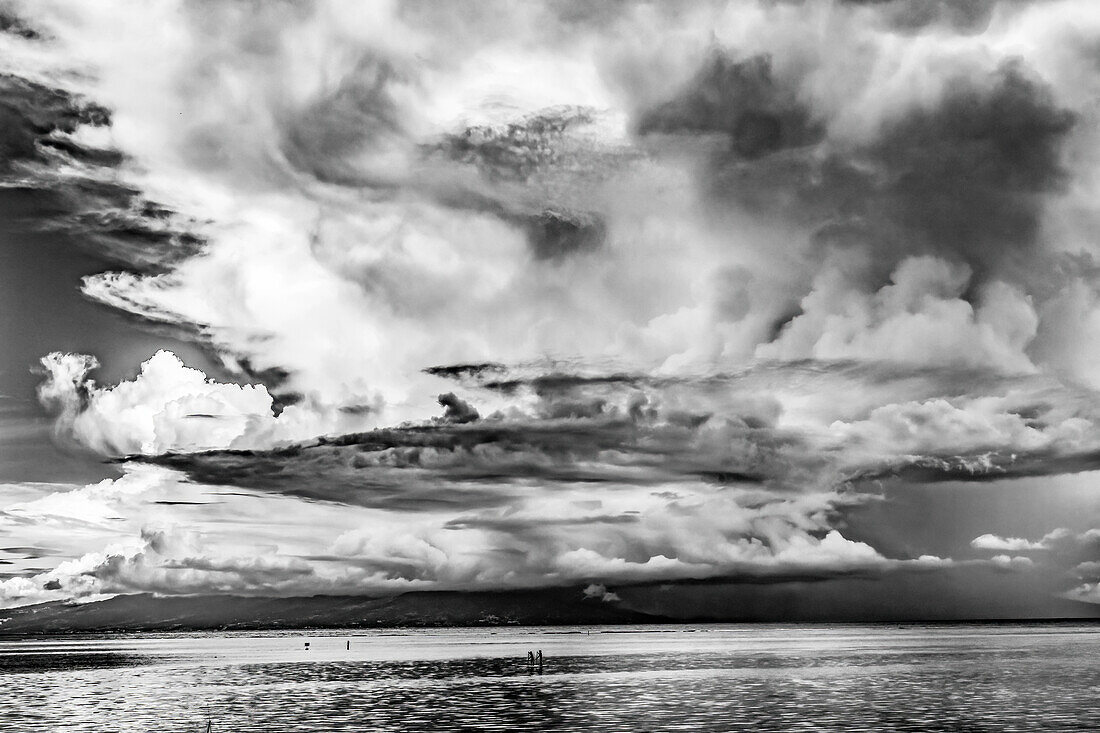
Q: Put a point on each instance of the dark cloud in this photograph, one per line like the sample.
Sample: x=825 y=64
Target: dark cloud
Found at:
x=131 y=233
x=561 y=382
x=11 y=23
x=184 y=503
x=514 y=526
x=382 y=479
x=554 y=235
x=582 y=15
x=29 y=112
x=465 y=371
x=515 y=151
x=740 y=99
x=443 y=464
x=965 y=178
x=353 y=409
x=456 y=410
x=359 y=115
x=966 y=16
x=985 y=467
x=116 y=222
x=30 y=553
x=528 y=151
x=275 y=378
x=947 y=425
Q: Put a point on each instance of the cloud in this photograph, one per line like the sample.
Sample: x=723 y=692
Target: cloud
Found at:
x=158 y=562
x=1001 y=434
x=600 y=592
x=1017 y=562
x=33 y=111
x=173 y=562
x=169 y=407
x=566 y=439
x=457 y=410
x=1009 y=544
x=73 y=526
x=150 y=529
x=1086 y=592
x=919 y=317
x=968 y=16
x=1061 y=540
x=619 y=478
x=247 y=545
x=886 y=156
x=739 y=99
x=1062 y=552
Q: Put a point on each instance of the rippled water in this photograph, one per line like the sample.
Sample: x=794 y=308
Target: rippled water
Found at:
x=763 y=678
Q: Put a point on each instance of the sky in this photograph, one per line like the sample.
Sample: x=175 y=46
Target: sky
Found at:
x=757 y=309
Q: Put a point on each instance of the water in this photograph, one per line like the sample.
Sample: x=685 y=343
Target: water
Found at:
x=692 y=678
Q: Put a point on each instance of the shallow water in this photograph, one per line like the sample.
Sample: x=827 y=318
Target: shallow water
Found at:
x=763 y=678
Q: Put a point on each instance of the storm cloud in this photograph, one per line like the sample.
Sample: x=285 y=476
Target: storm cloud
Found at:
x=543 y=294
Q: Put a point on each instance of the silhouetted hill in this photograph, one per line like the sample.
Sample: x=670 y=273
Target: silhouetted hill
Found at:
x=145 y=612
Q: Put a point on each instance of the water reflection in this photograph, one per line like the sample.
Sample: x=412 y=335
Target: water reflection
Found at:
x=39 y=662
x=732 y=678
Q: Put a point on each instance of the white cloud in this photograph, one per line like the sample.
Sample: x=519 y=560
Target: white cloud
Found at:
x=920 y=317
x=1016 y=562
x=600 y=592
x=171 y=407
x=154 y=532
x=1008 y=544
x=978 y=433
x=1061 y=540
x=1086 y=592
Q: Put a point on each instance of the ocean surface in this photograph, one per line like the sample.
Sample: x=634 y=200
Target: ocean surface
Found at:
x=1041 y=677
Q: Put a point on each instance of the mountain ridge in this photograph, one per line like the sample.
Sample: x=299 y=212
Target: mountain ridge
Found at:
x=148 y=612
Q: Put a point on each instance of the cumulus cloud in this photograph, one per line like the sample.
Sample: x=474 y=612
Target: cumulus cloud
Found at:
x=152 y=530
x=919 y=317
x=1014 y=562
x=1062 y=552
x=539 y=541
x=157 y=561
x=169 y=407
x=1061 y=540
x=1009 y=544
x=1015 y=432
x=600 y=592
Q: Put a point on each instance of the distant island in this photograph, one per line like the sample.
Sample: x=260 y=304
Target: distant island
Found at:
x=147 y=612
x=562 y=606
